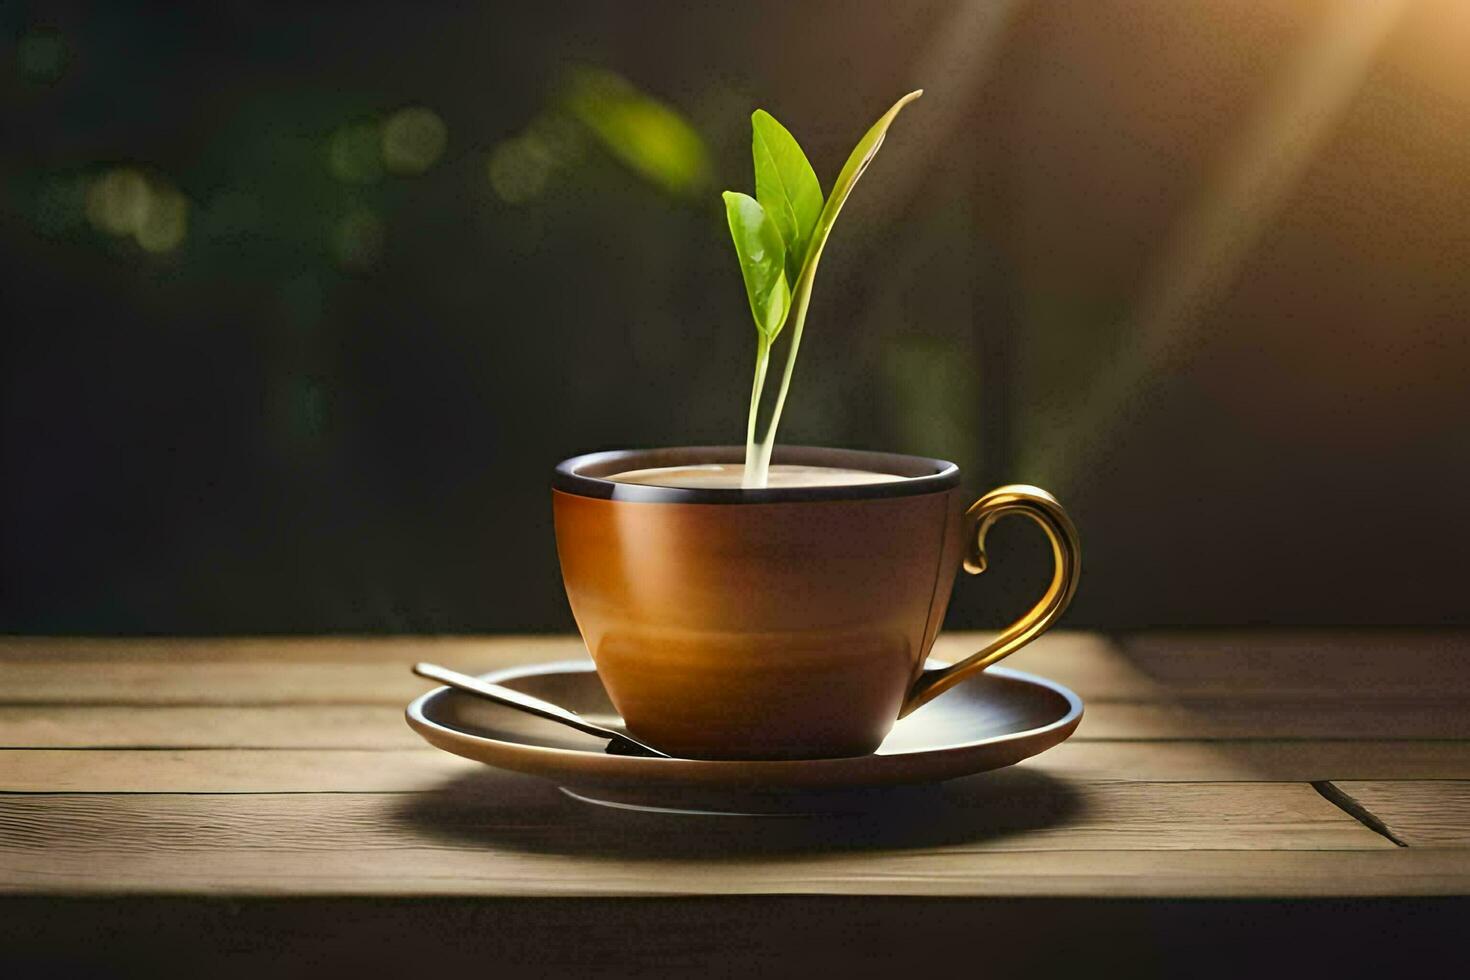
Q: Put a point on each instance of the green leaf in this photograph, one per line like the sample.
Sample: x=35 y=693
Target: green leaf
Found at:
x=857 y=162
x=762 y=255
x=785 y=185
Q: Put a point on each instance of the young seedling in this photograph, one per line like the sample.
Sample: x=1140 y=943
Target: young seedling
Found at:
x=779 y=235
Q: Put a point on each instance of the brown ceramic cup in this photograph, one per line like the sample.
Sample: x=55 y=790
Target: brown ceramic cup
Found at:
x=784 y=623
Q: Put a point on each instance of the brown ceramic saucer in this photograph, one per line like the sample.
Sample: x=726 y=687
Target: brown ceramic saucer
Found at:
x=994 y=719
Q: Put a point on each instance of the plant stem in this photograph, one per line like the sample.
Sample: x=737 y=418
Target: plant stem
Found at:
x=763 y=463
x=762 y=361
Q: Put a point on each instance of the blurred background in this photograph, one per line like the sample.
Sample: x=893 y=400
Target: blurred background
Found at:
x=300 y=307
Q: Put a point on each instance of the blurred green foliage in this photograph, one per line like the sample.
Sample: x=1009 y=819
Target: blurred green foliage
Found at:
x=301 y=305
x=649 y=136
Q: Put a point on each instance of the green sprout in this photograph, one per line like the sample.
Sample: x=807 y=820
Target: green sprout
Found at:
x=779 y=235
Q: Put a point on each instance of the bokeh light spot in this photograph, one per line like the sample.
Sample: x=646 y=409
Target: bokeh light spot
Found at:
x=358 y=242
x=413 y=140
x=519 y=169
x=165 y=223
x=354 y=155
x=123 y=202
x=118 y=201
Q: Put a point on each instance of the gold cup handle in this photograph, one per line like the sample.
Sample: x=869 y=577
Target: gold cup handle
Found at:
x=1041 y=507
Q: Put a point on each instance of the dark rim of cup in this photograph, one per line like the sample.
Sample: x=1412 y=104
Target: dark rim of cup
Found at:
x=586 y=476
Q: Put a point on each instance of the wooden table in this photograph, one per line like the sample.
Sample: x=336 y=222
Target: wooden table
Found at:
x=260 y=804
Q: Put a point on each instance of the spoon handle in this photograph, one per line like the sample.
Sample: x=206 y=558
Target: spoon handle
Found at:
x=511 y=698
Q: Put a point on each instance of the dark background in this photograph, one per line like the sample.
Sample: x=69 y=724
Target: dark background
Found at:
x=275 y=359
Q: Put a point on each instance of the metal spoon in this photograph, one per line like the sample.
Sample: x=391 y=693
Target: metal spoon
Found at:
x=618 y=743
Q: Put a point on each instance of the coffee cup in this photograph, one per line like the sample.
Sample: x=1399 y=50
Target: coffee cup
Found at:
x=791 y=622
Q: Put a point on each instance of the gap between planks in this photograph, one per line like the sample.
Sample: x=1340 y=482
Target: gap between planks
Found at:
x=1352 y=808
x=1411 y=813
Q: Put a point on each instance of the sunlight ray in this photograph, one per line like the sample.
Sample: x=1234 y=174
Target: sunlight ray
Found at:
x=1207 y=246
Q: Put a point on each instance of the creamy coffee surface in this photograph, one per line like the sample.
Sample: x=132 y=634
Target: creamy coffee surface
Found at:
x=730 y=476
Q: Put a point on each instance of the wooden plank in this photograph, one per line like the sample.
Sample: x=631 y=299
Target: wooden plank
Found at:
x=408 y=770
x=286 y=726
x=412 y=872
x=1416 y=813
x=501 y=834
x=244 y=683
x=382 y=726
x=1252 y=761
x=1089 y=663
x=1262 y=718
x=396 y=650
x=1301 y=666
x=1318 y=663
x=228 y=770
x=496 y=651
x=489 y=811
x=342 y=670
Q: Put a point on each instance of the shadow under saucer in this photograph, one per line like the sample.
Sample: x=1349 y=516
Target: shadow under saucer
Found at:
x=504 y=810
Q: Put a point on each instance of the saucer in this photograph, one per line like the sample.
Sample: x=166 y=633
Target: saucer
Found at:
x=994 y=719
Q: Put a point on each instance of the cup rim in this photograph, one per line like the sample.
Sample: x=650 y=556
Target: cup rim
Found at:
x=584 y=475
